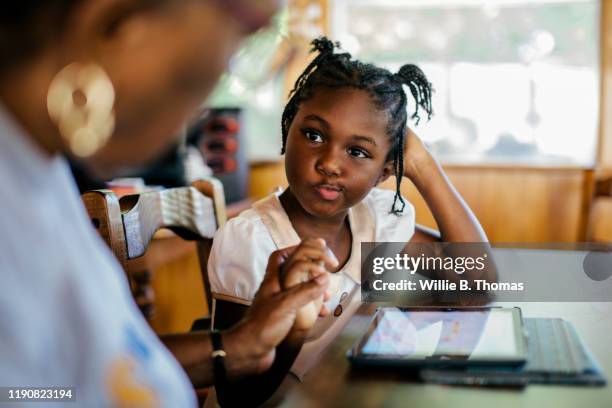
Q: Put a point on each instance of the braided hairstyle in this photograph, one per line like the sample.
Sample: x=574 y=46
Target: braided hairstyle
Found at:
x=386 y=89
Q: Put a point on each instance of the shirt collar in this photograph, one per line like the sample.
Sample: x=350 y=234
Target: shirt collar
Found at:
x=283 y=234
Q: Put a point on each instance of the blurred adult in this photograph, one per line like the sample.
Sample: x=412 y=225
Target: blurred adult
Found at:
x=108 y=83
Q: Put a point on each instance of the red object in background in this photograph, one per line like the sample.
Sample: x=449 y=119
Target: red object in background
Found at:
x=218 y=136
x=222 y=124
x=220 y=144
x=222 y=164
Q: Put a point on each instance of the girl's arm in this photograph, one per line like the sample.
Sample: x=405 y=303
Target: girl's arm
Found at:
x=456 y=221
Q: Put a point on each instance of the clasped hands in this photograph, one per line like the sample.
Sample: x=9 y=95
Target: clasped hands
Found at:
x=290 y=298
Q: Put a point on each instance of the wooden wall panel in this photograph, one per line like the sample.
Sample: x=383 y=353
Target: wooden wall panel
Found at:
x=265 y=177
x=517 y=204
x=600 y=228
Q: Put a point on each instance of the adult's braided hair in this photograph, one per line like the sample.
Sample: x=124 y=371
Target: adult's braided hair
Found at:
x=338 y=70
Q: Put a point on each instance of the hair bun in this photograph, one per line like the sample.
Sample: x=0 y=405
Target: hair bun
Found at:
x=420 y=88
x=323 y=45
x=410 y=72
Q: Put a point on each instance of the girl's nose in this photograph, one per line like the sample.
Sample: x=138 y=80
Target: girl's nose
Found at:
x=328 y=164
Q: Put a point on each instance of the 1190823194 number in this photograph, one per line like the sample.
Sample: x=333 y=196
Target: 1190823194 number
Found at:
x=32 y=394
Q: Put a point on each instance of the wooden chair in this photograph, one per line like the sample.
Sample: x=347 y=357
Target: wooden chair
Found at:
x=600 y=217
x=128 y=224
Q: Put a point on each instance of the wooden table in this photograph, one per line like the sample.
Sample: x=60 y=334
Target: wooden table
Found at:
x=332 y=383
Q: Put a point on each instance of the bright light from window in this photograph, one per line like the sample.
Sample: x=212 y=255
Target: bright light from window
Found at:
x=516 y=81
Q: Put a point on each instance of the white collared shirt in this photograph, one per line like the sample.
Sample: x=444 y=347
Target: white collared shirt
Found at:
x=67 y=317
x=241 y=248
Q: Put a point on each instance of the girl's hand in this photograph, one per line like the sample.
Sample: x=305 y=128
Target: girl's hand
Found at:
x=416 y=156
x=311 y=258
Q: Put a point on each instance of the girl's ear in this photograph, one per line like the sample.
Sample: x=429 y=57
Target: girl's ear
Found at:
x=386 y=172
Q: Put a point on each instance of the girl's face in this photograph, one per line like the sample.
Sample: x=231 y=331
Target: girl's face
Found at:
x=336 y=151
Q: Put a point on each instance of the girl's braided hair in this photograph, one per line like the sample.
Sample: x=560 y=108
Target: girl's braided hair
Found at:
x=386 y=89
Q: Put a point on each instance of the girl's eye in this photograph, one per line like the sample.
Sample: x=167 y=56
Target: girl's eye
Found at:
x=359 y=153
x=313 y=136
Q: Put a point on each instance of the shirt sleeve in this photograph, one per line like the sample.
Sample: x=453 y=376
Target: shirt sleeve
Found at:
x=391 y=227
x=238 y=259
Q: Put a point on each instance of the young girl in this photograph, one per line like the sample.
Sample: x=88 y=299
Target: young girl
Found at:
x=343 y=132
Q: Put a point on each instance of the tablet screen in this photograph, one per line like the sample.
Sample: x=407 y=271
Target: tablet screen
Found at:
x=492 y=334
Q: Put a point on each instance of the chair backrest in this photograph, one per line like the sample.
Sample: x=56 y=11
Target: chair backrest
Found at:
x=128 y=224
x=599 y=228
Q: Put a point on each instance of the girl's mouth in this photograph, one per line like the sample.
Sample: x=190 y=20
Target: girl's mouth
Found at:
x=328 y=192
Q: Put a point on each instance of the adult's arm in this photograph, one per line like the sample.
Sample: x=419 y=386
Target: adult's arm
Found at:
x=250 y=345
x=312 y=255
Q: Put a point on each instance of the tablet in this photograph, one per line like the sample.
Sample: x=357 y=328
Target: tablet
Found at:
x=442 y=336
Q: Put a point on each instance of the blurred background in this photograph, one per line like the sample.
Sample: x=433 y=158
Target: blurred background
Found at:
x=518 y=91
x=522 y=124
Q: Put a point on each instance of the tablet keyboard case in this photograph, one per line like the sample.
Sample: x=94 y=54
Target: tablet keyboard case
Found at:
x=555 y=355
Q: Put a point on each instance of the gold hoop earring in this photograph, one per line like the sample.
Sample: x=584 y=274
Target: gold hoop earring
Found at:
x=80 y=101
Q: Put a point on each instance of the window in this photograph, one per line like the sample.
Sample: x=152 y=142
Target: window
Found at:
x=516 y=82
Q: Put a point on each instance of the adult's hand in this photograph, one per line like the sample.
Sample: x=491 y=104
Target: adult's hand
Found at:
x=251 y=344
x=311 y=257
